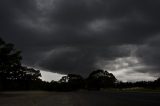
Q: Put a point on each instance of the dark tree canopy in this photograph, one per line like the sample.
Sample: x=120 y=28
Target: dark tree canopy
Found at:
x=10 y=61
x=72 y=82
x=96 y=80
x=76 y=81
x=101 y=73
x=10 y=64
x=71 y=78
x=100 y=79
x=30 y=74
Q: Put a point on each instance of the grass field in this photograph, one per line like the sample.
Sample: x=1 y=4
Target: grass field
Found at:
x=79 y=98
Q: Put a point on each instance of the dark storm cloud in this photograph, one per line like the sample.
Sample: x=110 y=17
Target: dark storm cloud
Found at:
x=133 y=20
x=75 y=36
x=78 y=59
x=149 y=53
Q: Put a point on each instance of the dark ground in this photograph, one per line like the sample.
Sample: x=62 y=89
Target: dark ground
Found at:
x=79 y=98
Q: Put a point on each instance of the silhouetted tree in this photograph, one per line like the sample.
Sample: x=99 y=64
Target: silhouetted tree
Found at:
x=72 y=82
x=75 y=81
x=64 y=79
x=30 y=74
x=10 y=62
x=12 y=74
x=100 y=79
x=157 y=82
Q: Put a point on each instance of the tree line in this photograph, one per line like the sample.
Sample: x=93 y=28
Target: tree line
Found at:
x=15 y=76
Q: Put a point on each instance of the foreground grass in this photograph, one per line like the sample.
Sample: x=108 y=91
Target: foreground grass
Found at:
x=110 y=97
x=135 y=89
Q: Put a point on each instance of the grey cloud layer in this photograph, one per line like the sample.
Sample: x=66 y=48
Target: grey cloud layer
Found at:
x=73 y=36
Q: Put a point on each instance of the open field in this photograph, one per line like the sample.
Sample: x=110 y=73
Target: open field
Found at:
x=79 y=98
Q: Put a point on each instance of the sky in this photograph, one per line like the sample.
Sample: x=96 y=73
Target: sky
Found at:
x=79 y=36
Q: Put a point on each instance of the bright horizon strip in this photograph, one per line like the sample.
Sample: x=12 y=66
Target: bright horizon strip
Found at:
x=50 y=76
x=47 y=75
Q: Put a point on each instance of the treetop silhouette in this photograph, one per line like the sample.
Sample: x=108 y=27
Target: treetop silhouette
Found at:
x=12 y=73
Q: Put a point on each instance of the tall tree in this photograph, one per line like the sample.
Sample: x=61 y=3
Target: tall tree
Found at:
x=10 y=61
x=10 y=65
